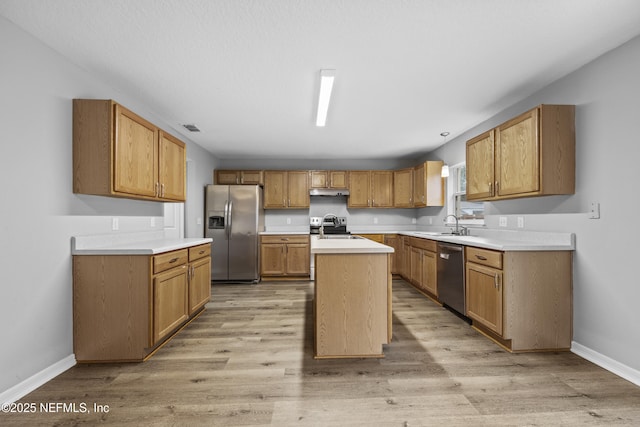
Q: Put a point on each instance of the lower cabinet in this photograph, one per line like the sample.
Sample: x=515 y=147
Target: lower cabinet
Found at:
x=284 y=256
x=395 y=242
x=420 y=264
x=126 y=306
x=521 y=299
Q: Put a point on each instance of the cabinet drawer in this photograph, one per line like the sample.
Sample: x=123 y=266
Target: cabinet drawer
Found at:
x=375 y=237
x=201 y=251
x=426 y=244
x=285 y=238
x=168 y=260
x=484 y=257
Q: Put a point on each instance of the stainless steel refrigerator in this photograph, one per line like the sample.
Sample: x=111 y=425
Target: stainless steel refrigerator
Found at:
x=234 y=217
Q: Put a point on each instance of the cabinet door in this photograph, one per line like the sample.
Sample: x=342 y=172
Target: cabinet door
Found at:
x=319 y=179
x=381 y=189
x=435 y=183
x=394 y=241
x=429 y=272
x=484 y=296
x=172 y=168
x=251 y=177
x=199 y=283
x=170 y=302
x=406 y=260
x=297 y=258
x=480 y=170
x=517 y=156
x=135 y=155
x=275 y=189
x=359 y=189
x=298 y=189
x=224 y=177
x=416 y=266
x=272 y=256
x=420 y=186
x=403 y=188
x=338 y=179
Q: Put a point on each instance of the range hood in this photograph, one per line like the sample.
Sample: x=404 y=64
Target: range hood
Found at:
x=328 y=192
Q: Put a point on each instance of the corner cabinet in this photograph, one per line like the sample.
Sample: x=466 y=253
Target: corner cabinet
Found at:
x=126 y=306
x=520 y=299
x=428 y=184
x=530 y=155
x=118 y=153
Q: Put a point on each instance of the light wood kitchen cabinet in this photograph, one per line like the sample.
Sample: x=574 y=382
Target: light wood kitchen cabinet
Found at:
x=284 y=256
x=429 y=280
x=370 y=189
x=239 y=177
x=521 y=299
x=118 y=153
x=199 y=277
x=286 y=189
x=428 y=184
x=422 y=265
x=395 y=242
x=403 y=188
x=126 y=306
x=329 y=179
x=375 y=237
x=530 y=155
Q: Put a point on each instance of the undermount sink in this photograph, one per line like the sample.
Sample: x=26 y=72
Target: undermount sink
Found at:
x=341 y=236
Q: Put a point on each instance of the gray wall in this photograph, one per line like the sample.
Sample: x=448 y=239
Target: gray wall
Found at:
x=606 y=291
x=39 y=213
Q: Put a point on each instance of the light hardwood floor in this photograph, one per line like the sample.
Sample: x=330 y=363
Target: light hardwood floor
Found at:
x=248 y=360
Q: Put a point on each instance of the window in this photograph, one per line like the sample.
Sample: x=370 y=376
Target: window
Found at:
x=457 y=204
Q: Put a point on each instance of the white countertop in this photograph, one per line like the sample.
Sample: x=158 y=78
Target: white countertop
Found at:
x=131 y=244
x=506 y=240
x=347 y=246
x=267 y=233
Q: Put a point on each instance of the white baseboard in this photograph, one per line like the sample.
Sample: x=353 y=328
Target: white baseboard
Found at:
x=27 y=386
x=607 y=363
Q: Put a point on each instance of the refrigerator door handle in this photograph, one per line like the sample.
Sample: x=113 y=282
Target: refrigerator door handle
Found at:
x=230 y=217
x=226 y=219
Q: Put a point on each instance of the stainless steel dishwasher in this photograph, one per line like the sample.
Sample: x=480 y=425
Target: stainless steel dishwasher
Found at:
x=451 y=277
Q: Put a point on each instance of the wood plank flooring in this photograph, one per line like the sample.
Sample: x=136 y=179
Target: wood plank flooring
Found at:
x=248 y=360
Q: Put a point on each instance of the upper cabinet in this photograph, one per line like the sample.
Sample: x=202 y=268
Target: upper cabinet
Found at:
x=371 y=189
x=286 y=189
x=118 y=153
x=329 y=179
x=530 y=155
x=428 y=184
x=403 y=188
x=242 y=177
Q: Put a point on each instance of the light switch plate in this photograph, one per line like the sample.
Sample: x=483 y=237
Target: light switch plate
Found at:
x=520 y=222
x=502 y=222
x=115 y=224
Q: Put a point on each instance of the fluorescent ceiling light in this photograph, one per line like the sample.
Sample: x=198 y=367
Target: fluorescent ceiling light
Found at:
x=326 y=85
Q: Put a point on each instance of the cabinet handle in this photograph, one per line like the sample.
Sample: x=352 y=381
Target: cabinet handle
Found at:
x=173 y=260
x=496 y=282
x=162 y=185
x=201 y=252
x=481 y=257
x=289 y=205
x=284 y=202
x=491 y=189
x=497 y=188
x=284 y=239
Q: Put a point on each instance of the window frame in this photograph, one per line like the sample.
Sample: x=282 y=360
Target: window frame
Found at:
x=452 y=189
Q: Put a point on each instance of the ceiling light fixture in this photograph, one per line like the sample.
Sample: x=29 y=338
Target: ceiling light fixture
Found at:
x=326 y=85
x=445 y=168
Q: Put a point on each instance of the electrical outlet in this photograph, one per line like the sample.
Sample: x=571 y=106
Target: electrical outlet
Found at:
x=375 y=220
x=502 y=222
x=288 y=221
x=520 y=222
x=430 y=221
x=152 y=222
x=413 y=221
x=199 y=221
x=594 y=210
x=115 y=224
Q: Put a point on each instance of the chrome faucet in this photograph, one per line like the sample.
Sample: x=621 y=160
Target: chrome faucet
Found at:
x=335 y=218
x=460 y=231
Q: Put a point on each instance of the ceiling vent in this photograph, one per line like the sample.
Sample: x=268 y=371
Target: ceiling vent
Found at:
x=192 y=128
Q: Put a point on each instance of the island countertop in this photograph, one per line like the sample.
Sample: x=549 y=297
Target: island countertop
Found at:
x=131 y=244
x=348 y=246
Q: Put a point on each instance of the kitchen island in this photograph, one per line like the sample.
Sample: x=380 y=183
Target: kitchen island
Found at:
x=352 y=297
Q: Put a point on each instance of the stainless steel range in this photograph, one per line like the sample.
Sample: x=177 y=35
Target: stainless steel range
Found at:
x=329 y=225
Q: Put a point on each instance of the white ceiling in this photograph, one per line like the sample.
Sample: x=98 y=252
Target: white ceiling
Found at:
x=246 y=72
